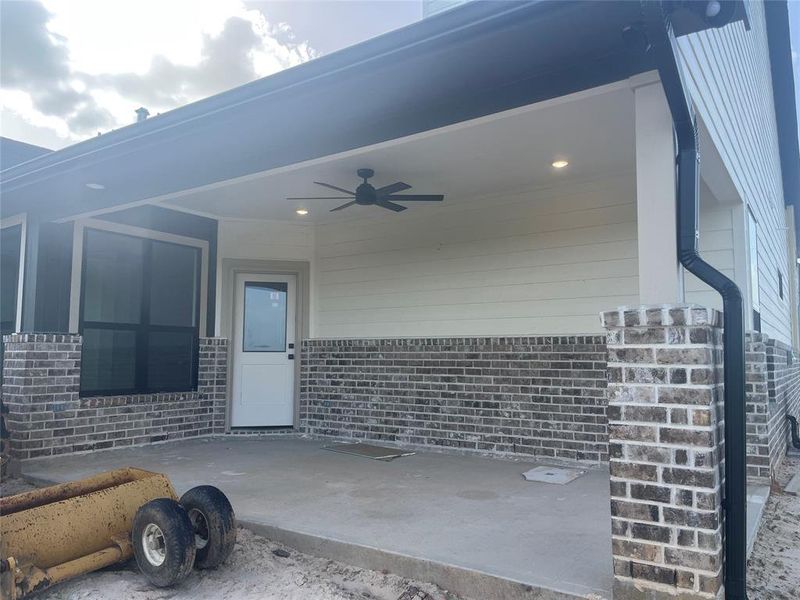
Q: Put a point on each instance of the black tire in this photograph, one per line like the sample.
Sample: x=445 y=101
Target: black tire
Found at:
x=213 y=523
x=163 y=542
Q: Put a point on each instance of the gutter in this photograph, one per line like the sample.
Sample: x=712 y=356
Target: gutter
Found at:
x=655 y=34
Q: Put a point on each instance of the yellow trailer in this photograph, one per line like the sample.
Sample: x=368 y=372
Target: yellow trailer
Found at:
x=55 y=533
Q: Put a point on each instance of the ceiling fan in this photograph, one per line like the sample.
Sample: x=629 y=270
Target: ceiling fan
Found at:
x=366 y=194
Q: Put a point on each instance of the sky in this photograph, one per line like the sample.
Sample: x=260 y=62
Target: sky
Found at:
x=71 y=69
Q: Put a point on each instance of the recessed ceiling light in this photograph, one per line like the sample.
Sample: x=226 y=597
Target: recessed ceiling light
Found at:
x=95 y=186
x=301 y=211
x=560 y=164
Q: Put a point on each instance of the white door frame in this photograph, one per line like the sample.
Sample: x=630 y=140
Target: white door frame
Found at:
x=270 y=403
x=226 y=279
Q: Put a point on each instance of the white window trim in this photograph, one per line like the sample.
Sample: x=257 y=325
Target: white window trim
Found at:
x=21 y=219
x=77 y=262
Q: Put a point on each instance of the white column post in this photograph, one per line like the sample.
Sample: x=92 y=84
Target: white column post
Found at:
x=660 y=275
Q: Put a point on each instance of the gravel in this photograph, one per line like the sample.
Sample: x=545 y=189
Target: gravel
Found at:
x=773 y=571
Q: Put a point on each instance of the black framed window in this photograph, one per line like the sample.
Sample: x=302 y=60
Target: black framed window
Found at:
x=140 y=312
x=10 y=253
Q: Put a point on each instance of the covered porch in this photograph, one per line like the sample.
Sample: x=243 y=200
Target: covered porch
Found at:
x=470 y=524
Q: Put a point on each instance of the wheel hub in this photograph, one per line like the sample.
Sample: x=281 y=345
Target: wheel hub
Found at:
x=200 y=527
x=154 y=545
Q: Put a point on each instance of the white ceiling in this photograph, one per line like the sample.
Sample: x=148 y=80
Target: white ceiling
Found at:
x=595 y=133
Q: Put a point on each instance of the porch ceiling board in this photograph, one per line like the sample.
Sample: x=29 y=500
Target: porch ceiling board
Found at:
x=463 y=64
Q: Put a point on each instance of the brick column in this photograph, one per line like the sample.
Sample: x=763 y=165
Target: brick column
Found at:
x=665 y=446
x=757 y=407
x=41 y=381
x=212 y=379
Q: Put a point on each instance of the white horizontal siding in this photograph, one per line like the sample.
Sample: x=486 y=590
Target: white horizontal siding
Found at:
x=728 y=76
x=539 y=261
x=265 y=240
x=717 y=248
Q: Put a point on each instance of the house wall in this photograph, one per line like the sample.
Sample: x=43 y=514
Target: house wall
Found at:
x=542 y=396
x=783 y=385
x=717 y=247
x=46 y=417
x=727 y=73
x=538 y=261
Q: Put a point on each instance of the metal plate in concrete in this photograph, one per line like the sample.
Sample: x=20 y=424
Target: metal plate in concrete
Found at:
x=368 y=451
x=556 y=475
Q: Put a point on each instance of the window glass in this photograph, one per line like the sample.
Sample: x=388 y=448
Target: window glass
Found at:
x=112 y=277
x=170 y=362
x=108 y=360
x=10 y=240
x=139 y=318
x=174 y=282
x=752 y=253
x=264 y=317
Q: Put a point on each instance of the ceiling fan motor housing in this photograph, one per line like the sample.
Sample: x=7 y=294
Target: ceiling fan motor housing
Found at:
x=365 y=194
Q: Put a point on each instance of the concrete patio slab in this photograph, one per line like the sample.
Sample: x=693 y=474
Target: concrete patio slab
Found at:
x=472 y=525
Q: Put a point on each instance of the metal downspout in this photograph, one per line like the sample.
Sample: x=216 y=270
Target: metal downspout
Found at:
x=661 y=44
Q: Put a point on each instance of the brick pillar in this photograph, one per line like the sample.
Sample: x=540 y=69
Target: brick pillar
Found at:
x=757 y=407
x=41 y=381
x=665 y=446
x=212 y=379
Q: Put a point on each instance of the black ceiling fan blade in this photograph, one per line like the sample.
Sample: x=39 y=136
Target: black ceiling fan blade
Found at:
x=390 y=205
x=333 y=187
x=343 y=206
x=416 y=198
x=392 y=188
x=319 y=198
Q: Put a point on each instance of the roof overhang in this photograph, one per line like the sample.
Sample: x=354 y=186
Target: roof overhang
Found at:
x=466 y=63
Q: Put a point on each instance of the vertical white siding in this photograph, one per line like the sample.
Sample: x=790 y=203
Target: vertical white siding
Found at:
x=728 y=76
x=539 y=261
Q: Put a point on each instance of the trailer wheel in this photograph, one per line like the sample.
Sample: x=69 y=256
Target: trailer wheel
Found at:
x=163 y=542
x=213 y=523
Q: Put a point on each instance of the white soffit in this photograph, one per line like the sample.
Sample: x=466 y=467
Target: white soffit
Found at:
x=594 y=133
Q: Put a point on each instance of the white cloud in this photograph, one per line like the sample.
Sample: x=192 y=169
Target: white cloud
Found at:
x=81 y=66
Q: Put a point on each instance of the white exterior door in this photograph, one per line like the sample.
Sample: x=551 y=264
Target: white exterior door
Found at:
x=263 y=350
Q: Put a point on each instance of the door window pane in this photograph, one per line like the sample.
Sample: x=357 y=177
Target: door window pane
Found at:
x=108 y=360
x=170 y=360
x=174 y=282
x=264 y=317
x=112 y=277
x=10 y=240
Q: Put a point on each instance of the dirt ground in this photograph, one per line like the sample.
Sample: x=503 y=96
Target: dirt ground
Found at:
x=773 y=571
x=254 y=572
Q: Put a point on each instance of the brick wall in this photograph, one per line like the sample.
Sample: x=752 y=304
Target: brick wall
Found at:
x=783 y=385
x=773 y=391
x=665 y=443
x=757 y=407
x=46 y=416
x=527 y=395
